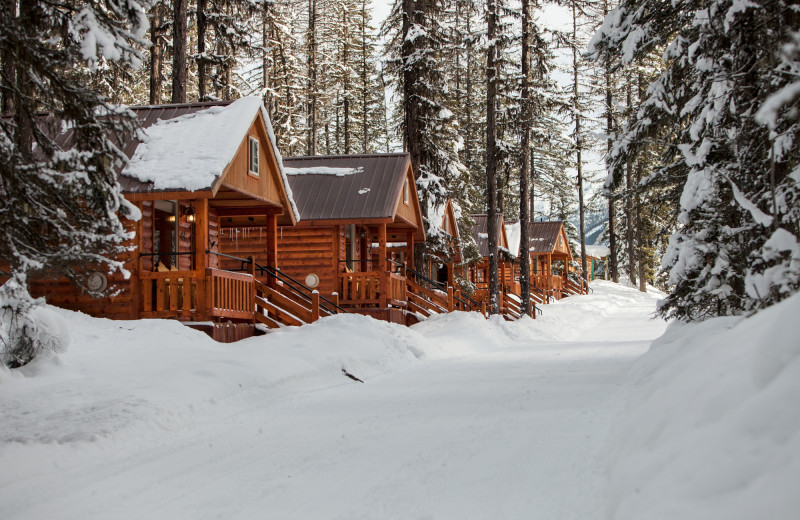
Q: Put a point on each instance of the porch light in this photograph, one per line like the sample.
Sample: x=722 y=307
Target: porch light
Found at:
x=189 y=212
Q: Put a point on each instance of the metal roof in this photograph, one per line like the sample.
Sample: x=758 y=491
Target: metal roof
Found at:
x=370 y=191
x=544 y=235
x=480 y=231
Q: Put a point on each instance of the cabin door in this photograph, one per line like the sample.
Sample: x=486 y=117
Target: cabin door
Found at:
x=165 y=234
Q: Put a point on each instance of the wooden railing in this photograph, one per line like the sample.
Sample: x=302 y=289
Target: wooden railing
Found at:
x=360 y=289
x=364 y=288
x=396 y=290
x=169 y=294
x=230 y=295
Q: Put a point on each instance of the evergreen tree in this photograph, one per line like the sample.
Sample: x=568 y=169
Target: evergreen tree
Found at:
x=736 y=245
x=61 y=208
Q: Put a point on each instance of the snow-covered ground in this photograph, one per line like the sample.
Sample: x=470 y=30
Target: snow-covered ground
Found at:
x=458 y=417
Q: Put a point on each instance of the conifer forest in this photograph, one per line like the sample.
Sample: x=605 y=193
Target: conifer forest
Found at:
x=664 y=130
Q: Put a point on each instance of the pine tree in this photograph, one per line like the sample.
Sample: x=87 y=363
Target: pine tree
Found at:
x=724 y=65
x=61 y=208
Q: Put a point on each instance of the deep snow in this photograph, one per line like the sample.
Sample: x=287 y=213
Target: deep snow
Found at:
x=459 y=417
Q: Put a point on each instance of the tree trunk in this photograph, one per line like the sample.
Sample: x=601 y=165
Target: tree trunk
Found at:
x=638 y=202
x=491 y=169
x=578 y=141
x=9 y=72
x=156 y=55
x=202 y=25
x=524 y=175
x=179 y=66
x=311 y=105
x=629 y=206
x=613 y=271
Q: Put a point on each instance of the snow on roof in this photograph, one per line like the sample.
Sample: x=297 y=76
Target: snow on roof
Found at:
x=513 y=233
x=598 y=251
x=279 y=160
x=323 y=170
x=191 y=151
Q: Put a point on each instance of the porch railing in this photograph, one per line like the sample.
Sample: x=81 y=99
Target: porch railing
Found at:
x=184 y=294
x=169 y=294
x=231 y=295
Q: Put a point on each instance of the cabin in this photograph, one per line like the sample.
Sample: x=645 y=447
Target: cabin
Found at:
x=478 y=273
x=234 y=240
x=202 y=165
x=444 y=222
x=351 y=209
x=551 y=257
x=597 y=261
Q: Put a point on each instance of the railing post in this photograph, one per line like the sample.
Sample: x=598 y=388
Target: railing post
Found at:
x=450 y=301
x=335 y=298
x=483 y=309
x=314 y=306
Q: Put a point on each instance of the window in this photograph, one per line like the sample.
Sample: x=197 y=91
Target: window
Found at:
x=405 y=192
x=253 y=164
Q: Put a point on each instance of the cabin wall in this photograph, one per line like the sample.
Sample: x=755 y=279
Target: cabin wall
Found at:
x=406 y=211
x=303 y=250
x=63 y=293
x=241 y=242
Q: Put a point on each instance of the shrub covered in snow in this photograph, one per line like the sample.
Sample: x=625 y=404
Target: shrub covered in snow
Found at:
x=27 y=327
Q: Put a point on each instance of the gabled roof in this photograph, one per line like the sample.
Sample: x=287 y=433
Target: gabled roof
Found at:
x=480 y=231
x=182 y=147
x=544 y=237
x=348 y=187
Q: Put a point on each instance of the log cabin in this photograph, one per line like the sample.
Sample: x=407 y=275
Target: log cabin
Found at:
x=228 y=241
x=359 y=220
x=551 y=257
x=478 y=273
x=443 y=268
x=201 y=165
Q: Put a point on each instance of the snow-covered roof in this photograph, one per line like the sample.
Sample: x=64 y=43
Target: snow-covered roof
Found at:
x=191 y=151
x=513 y=233
x=598 y=251
x=187 y=146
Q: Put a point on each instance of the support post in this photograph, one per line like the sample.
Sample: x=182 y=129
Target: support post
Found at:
x=201 y=259
x=410 y=249
x=272 y=246
x=450 y=300
x=383 y=276
x=314 y=306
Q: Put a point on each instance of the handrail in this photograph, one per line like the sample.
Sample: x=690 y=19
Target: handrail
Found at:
x=289 y=281
x=280 y=276
x=533 y=304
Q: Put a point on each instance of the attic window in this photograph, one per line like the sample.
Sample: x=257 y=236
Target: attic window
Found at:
x=253 y=163
x=405 y=192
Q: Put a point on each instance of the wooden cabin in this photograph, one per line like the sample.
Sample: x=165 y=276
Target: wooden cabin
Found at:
x=359 y=220
x=443 y=268
x=478 y=273
x=232 y=236
x=550 y=262
x=204 y=165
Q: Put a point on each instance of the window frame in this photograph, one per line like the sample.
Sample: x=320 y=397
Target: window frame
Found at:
x=250 y=157
x=406 y=194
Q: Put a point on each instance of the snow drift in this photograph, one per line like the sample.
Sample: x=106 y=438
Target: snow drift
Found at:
x=713 y=427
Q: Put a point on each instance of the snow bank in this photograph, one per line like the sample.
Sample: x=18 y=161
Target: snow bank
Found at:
x=713 y=428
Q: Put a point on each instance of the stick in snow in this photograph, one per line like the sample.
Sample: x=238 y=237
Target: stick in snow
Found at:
x=351 y=376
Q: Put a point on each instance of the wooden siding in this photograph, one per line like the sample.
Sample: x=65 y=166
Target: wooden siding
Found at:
x=63 y=293
x=241 y=242
x=304 y=249
x=237 y=177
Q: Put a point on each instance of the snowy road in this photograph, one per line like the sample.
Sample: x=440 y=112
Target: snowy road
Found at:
x=517 y=433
